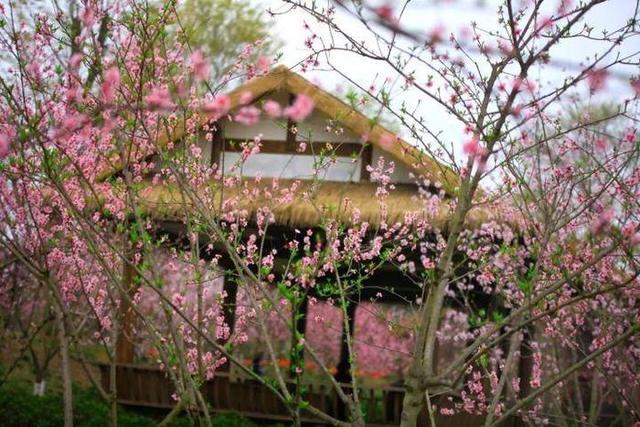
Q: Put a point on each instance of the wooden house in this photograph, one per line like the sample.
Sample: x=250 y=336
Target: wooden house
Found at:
x=289 y=152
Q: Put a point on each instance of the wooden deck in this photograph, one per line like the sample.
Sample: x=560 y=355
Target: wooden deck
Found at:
x=147 y=386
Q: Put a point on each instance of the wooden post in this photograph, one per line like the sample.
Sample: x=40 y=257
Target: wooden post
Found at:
x=291 y=125
x=343 y=373
x=365 y=161
x=125 y=348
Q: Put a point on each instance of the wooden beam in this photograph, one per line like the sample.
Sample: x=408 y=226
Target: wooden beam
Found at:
x=367 y=155
x=291 y=126
x=341 y=149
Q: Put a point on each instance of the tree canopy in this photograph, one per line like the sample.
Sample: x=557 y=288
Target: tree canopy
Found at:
x=223 y=29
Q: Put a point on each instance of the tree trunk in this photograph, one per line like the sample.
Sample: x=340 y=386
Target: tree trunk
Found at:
x=113 y=378
x=66 y=371
x=422 y=365
x=124 y=346
x=412 y=404
x=344 y=368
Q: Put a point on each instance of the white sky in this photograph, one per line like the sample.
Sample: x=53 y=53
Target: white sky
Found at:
x=423 y=15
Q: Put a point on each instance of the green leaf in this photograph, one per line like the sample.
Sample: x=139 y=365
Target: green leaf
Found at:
x=484 y=360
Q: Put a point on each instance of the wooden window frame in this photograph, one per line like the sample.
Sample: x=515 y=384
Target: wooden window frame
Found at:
x=220 y=144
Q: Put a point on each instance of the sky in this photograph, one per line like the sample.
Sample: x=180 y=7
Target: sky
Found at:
x=423 y=15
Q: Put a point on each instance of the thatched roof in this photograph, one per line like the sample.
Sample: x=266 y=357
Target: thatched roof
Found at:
x=281 y=78
x=329 y=200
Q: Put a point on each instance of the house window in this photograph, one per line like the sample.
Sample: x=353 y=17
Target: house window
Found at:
x=292 y=166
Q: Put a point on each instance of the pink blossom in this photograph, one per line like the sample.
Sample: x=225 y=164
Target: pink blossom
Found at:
x=248 y=115
x=517 y=84
x=110 y=84
x=596 y=79
x=505 y=47
x=427 y=262
x=630 y=136
x=387 y=140
x=603 y=221
x=263 y=64
x=536 y=374
x=218 y=107
x=34 y=70
x=88 y=16
x=72 y=94
x=272 y=108
x=75 y=59
x=246 y=97
x=472 y=148
x=71 y=123
x=630 y=232
x=300 y=109
x=436 y=34
x=530 y=85
x=199 y=66
x=545 y=23
x=385 y=13
x=601 y=144
x=5 y=143
x=159 y=99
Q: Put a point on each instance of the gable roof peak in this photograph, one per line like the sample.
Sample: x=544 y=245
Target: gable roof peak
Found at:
x=416 y=160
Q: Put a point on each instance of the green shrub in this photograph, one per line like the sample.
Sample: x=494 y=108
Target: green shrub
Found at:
x=231 y=420
x=20 y=408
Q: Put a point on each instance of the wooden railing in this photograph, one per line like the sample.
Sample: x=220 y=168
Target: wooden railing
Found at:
x=149 y=386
